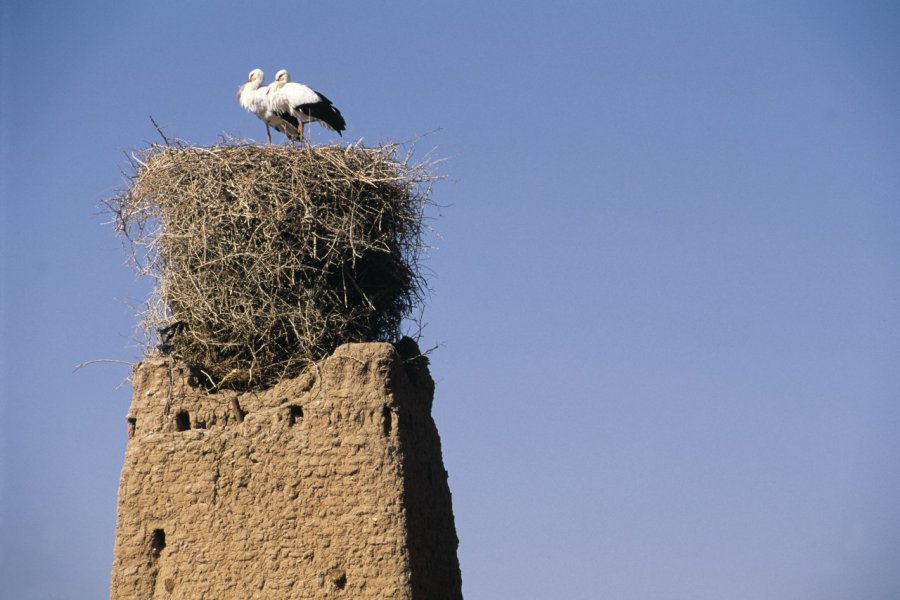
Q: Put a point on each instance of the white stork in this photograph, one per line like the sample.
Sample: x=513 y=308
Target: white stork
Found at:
x=252 y=96
x=295 y=102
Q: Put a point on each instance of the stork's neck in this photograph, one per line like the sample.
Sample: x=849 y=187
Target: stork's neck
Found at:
x=246 y=90
x=248 y=93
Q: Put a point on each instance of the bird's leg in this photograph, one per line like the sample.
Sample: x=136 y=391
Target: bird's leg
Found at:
x=300 y=131
x=268 y=134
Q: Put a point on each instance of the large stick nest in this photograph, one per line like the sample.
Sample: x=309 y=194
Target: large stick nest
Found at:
x=266 y=258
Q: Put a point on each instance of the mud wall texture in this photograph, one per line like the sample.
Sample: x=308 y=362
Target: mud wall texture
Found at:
x=327 y=485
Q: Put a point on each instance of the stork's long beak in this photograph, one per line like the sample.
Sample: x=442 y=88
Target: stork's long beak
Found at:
x=240 y=89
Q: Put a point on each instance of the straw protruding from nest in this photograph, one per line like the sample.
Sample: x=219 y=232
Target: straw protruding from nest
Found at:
x=266 y=258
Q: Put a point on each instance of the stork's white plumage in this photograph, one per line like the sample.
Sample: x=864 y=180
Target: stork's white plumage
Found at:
x=253 y=97
x=295 y=101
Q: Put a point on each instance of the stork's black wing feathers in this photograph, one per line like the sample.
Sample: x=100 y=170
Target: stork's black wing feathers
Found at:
x=290 y=119
x=324 y=111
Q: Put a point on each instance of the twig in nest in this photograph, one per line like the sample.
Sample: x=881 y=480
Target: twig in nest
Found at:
x=159 y=130
x=81 y=365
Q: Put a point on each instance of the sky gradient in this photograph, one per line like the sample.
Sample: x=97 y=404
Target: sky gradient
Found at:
x=666 y=274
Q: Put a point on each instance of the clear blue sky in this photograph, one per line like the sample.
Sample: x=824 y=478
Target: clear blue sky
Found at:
x=667 y=282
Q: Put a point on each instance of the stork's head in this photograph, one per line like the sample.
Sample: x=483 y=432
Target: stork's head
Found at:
x=256 y=76
x=254 y=80
x=282 y=76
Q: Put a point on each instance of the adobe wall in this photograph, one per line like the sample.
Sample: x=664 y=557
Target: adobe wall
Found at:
x=329 y=485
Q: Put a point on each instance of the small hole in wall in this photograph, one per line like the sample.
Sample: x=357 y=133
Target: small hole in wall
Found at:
x=157 y=541
x=182 y=421
x=387 y=420
x=295 y=411
x=338 y=578
x=132 y=425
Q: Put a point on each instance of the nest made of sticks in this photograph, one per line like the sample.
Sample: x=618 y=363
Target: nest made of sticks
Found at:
x=266 y=258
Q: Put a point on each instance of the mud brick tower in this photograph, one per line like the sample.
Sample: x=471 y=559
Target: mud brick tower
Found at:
x=327 y=485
